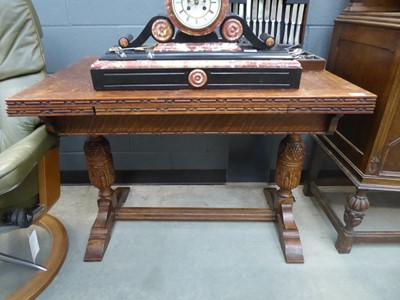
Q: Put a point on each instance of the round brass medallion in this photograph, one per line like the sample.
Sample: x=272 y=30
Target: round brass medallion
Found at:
x=232 y=30
x=162 y=30
x=197 y=78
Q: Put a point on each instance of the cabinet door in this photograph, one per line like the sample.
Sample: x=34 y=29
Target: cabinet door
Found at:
x=364 y=55
x=390 y=165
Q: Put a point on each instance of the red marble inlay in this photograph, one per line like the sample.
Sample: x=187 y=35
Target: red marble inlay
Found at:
x=204 y=64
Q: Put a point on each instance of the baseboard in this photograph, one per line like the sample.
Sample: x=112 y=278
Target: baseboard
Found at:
x=153 y=177
x=326 y=178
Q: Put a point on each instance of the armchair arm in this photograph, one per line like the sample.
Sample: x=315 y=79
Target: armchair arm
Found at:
x=18 y=160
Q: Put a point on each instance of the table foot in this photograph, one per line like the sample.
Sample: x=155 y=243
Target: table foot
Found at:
x=288 y=232
x=344 y=242
x=101 y=230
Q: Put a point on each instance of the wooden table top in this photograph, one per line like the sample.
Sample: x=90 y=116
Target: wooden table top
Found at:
x=70 y=92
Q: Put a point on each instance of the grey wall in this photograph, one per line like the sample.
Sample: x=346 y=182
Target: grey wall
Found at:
x=74 y=29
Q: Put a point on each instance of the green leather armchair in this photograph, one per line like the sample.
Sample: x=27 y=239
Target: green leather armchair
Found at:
x=24 y=141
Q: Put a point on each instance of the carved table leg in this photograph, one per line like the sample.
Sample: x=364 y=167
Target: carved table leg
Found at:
x=355 y=210
x=102 y=175
x=288 y=173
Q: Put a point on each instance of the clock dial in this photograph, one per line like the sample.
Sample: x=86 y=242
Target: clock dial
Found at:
x=197 y=17
x=197 y=14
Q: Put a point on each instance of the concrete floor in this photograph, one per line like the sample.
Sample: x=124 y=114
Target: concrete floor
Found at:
x=217 y=260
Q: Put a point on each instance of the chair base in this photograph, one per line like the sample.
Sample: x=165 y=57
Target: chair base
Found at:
x=53 y=263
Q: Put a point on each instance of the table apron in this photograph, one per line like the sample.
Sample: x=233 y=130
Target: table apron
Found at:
x=192 y=124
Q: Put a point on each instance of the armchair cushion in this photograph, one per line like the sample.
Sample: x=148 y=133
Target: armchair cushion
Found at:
x=17 y=161
x=14 y=129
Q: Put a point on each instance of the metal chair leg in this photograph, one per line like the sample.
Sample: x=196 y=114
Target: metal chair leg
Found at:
x=19 y=261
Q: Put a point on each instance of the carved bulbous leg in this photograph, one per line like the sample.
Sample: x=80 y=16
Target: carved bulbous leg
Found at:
x=288 y=174
x=100 y=164
x=289 y=165
x=102 y=175
x=355 y=210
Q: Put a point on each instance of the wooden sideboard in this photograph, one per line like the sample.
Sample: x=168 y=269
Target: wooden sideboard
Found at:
x=365 y=50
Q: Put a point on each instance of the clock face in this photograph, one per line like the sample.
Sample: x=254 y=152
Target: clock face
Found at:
x=197 y=17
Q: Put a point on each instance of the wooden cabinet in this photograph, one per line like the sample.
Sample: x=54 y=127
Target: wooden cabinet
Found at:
x=365 y=50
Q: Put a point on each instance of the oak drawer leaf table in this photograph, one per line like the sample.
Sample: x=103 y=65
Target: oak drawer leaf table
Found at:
x=68 y=104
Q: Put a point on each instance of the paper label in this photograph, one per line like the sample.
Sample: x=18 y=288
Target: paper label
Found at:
x=34 y=244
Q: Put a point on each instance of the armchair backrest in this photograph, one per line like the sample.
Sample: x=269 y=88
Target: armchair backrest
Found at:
x=21 y=63
x=285 y=20
x=21 y=50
